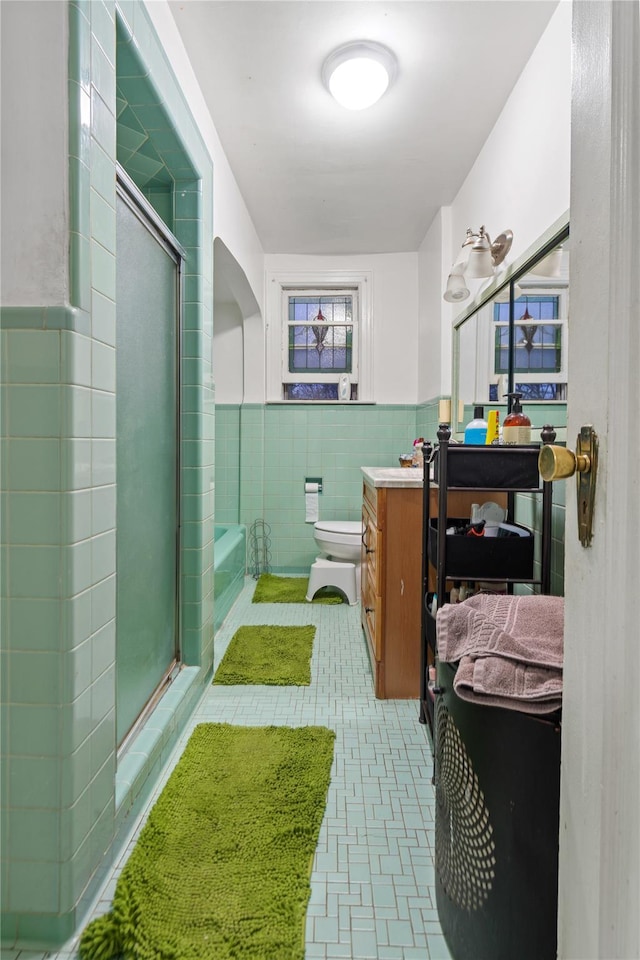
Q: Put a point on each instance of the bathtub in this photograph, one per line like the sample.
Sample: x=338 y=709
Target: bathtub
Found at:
x=229 y=568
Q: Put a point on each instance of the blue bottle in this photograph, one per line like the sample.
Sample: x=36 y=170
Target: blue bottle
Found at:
x=476 y=429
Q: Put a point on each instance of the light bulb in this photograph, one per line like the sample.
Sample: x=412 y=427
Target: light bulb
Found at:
x=457 y=289
x=358 y=83
x=358 y=73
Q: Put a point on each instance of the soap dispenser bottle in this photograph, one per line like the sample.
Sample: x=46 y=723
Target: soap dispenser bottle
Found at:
x=516 y=427
x=476 y=429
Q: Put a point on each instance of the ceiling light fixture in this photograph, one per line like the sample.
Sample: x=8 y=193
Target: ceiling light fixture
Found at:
x=479 y=258
x=358 y=73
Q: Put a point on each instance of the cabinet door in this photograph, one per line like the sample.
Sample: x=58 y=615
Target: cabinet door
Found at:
x=372 y=618
x=372 y=544
x=402 y=592
x=370 y=500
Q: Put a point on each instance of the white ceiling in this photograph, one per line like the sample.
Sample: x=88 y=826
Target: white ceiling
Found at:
x=320 y=179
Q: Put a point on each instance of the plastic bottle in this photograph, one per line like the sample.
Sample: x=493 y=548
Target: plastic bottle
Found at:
x=476 y=429
x=493 y=429
x=418 y=456
x=517 y=426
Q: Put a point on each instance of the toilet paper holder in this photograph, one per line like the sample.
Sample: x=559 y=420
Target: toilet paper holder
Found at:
x=314 y=480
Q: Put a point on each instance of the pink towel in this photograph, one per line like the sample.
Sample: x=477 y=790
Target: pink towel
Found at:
x=497 y=682
x=529 y=629
x=509 y=650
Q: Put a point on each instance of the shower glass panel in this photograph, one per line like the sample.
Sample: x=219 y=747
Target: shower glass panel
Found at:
x=147 y=461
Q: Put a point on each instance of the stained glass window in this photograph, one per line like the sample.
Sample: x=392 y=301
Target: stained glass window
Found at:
x=321 y=344
x=539 y=332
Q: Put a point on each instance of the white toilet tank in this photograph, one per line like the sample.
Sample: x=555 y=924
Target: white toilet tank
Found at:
x=340 y=539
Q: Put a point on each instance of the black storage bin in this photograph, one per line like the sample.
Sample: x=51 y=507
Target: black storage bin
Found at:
x=483 y=558
x=491 y=468
x=496 y=828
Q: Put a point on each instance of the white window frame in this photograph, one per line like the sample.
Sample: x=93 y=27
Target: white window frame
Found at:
x=279 y=287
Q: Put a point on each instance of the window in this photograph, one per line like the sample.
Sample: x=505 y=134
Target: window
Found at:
x=539 y=350
x=321 y=330
x=316 y=333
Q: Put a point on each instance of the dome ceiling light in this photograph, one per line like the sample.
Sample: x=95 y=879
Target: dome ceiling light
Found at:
x=358 y=73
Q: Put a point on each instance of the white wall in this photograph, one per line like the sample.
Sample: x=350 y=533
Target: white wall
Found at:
x=434 y=326
x=394 y=309
x=520 y=181
x=231 y=220
x=228 y=353
x=35 y=260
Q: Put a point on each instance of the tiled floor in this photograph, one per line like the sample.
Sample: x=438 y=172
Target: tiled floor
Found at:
x=372 y=883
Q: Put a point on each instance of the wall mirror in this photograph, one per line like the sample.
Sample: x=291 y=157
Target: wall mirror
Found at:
x=514 y=338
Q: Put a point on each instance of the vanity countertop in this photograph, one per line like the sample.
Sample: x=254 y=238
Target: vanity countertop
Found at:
x=393 y=476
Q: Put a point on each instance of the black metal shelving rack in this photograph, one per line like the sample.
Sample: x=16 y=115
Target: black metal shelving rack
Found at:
x=509 y=469
x=496 y=771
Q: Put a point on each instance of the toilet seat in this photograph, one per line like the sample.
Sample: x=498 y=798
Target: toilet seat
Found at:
x=340 y=531
x=340 y=526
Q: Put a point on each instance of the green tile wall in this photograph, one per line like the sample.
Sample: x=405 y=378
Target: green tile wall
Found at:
x=227 y=471
x=528 y=511
x=280 y=445
x=65 y=795
x=427 y=420
x=264 y=453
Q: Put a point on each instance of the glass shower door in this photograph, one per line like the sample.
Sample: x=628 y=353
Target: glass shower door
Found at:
x=147 y=331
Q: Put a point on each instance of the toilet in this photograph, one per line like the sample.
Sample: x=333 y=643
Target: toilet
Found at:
x=338 y=564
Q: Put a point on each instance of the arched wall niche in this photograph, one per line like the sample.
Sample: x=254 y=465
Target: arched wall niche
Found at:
x=237 y=321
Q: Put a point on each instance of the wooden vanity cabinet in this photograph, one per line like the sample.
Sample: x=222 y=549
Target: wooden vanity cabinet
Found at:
x=391 y=581
x=391 y=587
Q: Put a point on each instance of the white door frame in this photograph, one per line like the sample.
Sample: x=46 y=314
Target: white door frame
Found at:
x=599 y=870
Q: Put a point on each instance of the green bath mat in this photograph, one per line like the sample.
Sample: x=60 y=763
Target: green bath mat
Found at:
x=221 y=868
x=273 y=589
x=277 y=656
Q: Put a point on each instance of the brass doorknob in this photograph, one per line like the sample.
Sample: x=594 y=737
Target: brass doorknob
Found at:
x=558 y=463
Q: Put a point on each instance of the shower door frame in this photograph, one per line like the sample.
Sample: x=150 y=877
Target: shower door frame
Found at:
x=128 y=191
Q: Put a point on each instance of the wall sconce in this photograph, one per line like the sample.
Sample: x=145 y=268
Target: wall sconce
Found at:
x=479 y=258
x=549 y=266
